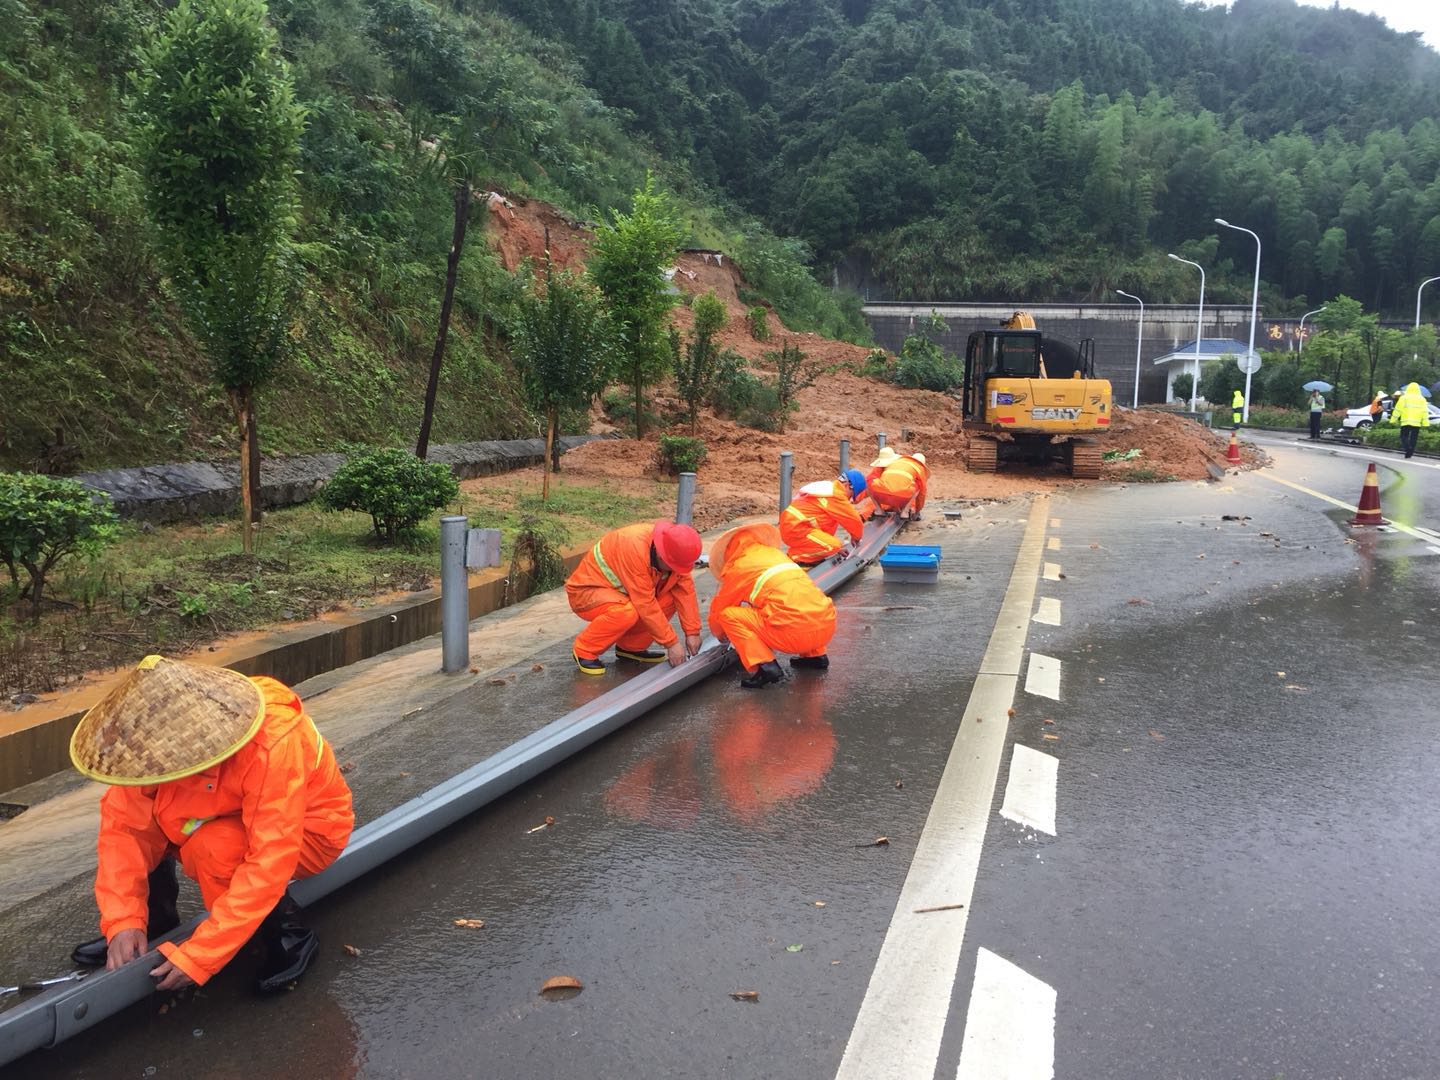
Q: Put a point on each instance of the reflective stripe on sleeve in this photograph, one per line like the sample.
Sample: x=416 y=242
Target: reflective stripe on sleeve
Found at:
x=778 y=568
x=610 y=575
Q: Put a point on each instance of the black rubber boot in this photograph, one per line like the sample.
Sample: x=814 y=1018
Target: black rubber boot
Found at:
x=289 y=946
x=819 y=663
x=639 y=656
x=766 y=673
x=160 y=919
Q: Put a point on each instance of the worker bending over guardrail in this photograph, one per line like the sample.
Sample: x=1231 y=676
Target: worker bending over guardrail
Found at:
x=811 y=524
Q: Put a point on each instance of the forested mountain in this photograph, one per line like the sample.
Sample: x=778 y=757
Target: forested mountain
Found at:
x=1042 y=148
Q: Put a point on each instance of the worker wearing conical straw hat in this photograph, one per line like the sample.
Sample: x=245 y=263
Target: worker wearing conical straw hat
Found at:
x=229 y=775
x=766 y=603
x=901 y=482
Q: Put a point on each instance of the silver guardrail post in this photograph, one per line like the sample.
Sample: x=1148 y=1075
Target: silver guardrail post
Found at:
x=844 y=455
x=879 y=440
x=685 y=499
x=454 y=596
x=787 y=468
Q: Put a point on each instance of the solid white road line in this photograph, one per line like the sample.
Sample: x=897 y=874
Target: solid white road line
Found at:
x=1433 y=550
x=1052 y=571
x=1048 y=611
x=1010 y=1025
x=1379 y=459
x=1042 y=677
x=1030 y=789
x=1053 y=544
x=902 y=1019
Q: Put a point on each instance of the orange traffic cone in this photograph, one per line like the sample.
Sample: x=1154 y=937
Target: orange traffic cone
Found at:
x=1232 y=453
x=1369 y=501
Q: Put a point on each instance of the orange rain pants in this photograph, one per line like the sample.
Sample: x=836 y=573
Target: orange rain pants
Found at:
x=766 y=604
x=899 y=483
x=811 y=524
x=277 y=808
x=633 y=603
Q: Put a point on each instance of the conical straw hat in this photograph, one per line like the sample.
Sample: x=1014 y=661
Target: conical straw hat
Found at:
x=762 y=531
x=168 y=720
x=887 y=456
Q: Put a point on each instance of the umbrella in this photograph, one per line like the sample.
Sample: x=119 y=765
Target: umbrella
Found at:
x=1319 y=384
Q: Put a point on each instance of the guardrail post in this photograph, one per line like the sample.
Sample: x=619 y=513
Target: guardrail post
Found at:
x=880 y=440
x=787 y=467
x=685 y=499
x=454 y=596
x=844 y=455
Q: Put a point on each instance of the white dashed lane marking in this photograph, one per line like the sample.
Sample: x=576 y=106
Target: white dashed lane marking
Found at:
x=1053 y=544
x=1042 y=677
x=1048 y=612
x=1052 y=571
x=1010 y=1025
x=1030 y=789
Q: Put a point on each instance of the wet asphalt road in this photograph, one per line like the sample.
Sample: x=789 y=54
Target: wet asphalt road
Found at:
x=1238 y=885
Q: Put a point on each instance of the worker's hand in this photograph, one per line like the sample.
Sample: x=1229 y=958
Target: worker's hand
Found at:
x=721 y=638
x=124 y=947
x=676 y=653
x=171 y=978
x=692 y=644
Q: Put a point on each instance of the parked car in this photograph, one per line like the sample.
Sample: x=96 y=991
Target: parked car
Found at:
x=1359 y=419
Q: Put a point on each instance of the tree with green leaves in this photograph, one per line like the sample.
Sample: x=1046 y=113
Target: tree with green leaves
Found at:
x=627 y=262
x=219 y=141
x=44 y=519
x=794 y=371
x=563 y=346
x=696 y=362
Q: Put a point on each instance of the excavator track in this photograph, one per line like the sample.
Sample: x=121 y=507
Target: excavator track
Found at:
x=983 y=454
x=1085 y=458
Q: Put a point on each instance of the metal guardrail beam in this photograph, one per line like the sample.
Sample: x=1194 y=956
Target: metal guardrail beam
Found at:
x=56 y=1015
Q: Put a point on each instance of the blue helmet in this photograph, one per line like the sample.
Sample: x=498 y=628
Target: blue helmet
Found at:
x=856 y=479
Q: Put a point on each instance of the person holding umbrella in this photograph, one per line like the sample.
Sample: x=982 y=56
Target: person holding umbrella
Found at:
x=1317 y=405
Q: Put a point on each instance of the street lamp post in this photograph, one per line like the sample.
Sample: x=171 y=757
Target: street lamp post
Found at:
x=1139 y=335
x=1418 y=291
x=1199 y=325
x=1307 y=315
x=1254 y=304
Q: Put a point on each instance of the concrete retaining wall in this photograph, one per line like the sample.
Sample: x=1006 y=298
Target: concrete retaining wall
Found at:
x=181 y=491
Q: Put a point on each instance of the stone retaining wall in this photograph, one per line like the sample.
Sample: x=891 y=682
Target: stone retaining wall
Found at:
x=179 y=491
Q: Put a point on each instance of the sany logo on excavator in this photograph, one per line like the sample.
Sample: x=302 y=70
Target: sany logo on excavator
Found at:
x=1055 y=414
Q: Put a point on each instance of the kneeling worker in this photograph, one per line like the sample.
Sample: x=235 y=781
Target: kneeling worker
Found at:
x=766 y=602
x=230 y=775
x=811 y=524
x=628 y=587
x=901 y=480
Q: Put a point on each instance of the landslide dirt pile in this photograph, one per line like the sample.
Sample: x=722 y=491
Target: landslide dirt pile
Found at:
x=1169 y=445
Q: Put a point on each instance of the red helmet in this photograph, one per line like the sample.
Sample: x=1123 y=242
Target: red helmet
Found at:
x=677 y=545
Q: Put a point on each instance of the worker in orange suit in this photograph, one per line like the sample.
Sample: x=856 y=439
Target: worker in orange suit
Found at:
x=228 y=775
x=628 y=587
x=900 y=482
x=767 y=603
x=811 y=524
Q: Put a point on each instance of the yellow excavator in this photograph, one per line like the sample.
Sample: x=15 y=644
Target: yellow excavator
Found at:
x=1029 y=399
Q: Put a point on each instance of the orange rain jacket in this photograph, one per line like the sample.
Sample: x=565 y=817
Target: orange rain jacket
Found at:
x=625 y=553
x=766 y=603
x=287 y=793
x=811 y=524
x=894 y=487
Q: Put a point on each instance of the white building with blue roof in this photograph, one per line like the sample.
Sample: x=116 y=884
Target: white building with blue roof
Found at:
x=1182 y=360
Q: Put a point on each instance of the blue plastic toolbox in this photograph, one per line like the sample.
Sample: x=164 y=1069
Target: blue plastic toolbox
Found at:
x=917 y=563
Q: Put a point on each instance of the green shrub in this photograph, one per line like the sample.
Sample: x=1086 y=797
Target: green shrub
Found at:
x=878 y=364
x=1268 y=416
x=680 y=453
x=397 y=490
x=758 y=319
x=44 y=519
x=1388 y=435
x=923 y=365
x=619 y=408
x=743 y=396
